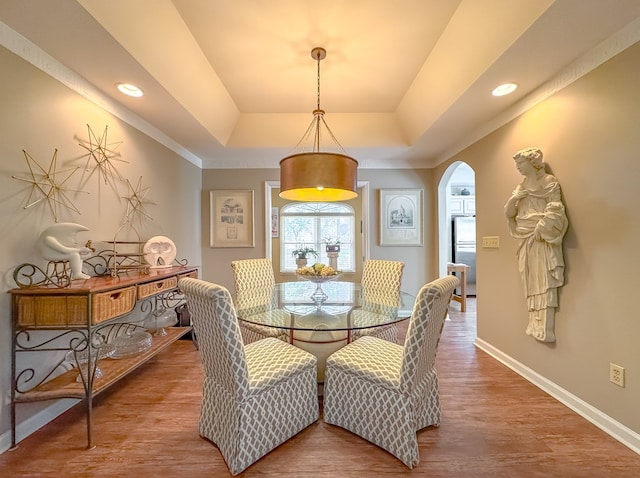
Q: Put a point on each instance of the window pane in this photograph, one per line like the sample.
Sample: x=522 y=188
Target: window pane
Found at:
x=298 y=229
x=315 y=225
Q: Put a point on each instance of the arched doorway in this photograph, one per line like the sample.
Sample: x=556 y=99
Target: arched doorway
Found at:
x=456 y=220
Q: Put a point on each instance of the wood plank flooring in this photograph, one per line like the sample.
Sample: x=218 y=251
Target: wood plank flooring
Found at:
x=495 y=424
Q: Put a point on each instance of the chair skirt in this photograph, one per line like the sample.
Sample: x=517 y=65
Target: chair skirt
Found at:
x=362 y=394
x=388 y=333
x=243 y=428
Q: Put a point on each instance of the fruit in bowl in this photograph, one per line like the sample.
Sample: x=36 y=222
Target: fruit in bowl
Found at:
x=317 y=270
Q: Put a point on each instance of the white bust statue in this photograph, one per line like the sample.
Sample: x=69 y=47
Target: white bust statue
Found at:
x=58 y=243
x=537 y=219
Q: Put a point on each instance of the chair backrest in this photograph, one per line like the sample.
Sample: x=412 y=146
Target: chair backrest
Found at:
x=218 y=332
x=381 y=274
x=255 y=283
x=425 y=328
x=381 y=285
x=253 y=274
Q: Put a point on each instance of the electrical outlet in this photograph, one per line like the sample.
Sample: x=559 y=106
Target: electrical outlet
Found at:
x=616 y=374
x=491 y=241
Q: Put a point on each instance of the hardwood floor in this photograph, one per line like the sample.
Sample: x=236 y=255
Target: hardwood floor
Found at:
x=495 y=424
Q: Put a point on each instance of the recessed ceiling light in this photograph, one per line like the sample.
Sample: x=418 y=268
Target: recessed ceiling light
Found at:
x=129 y=89
x=504 y=89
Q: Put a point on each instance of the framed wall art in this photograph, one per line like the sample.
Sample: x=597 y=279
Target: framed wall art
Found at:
x=400 y=217
x=231 y=218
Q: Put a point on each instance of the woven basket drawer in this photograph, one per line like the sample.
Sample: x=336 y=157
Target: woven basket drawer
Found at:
x=192 y=274
x=108 y=305
x=52 y=311
x=153 y=288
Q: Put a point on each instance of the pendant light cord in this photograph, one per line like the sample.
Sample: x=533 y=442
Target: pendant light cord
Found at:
x=318 y=113
x=318 y=62
x=318 y=121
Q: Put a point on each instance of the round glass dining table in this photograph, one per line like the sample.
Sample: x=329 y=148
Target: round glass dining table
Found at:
x=321 y=317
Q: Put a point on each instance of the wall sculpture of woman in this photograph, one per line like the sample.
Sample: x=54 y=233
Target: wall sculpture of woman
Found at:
x=537 y=219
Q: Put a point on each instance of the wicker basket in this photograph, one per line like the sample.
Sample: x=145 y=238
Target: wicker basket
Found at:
x=192 y=274
x=153 y=288
x=108 y=305
x=52 y=311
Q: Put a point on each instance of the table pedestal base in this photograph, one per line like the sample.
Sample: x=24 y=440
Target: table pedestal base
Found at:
x=320 y=341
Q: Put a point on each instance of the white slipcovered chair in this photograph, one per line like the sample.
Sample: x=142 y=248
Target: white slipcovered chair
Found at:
x=381 y=282
x=255 y=396
x=254 y=283
x=386 y=392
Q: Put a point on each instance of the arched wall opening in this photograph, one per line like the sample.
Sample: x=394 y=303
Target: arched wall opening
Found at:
x=456 y=220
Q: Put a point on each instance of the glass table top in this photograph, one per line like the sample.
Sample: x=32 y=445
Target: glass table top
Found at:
x=331 y=305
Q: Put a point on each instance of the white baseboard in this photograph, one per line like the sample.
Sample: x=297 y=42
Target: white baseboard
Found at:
x=35 y=422
x=617 y=430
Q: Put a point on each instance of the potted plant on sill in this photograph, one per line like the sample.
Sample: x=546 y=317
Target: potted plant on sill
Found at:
x=301 y=254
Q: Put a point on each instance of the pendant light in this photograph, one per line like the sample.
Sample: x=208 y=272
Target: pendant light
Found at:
x=316 y=176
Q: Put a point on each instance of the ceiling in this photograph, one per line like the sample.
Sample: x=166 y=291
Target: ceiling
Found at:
x=404 y=84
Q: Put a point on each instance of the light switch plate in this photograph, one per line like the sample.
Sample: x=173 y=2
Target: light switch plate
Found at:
x=491 y=241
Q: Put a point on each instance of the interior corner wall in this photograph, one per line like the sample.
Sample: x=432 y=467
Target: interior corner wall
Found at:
x=588 y=133
x=419 y=265
x=40 y=115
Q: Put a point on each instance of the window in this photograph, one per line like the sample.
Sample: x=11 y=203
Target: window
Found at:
x=314 y=224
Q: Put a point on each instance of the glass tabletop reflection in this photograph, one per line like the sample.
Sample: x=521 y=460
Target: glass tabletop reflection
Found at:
x=337 y=306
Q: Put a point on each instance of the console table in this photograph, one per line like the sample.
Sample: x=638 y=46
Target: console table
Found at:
x=52 y=320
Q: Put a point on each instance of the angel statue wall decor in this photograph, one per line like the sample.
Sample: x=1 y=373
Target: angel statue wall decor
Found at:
x=537 y=219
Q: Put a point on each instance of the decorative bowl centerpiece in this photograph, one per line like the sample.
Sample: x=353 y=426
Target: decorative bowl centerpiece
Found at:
x=318 y=274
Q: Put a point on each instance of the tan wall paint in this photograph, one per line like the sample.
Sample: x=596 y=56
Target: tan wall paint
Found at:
x=39 y=115
x=588 y=133
x=419 y=266
x=216 y=261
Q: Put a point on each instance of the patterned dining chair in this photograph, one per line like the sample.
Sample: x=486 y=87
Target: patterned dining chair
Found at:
x=381 y=282
x=255 y=396
x=386 y=392
x=254 y=283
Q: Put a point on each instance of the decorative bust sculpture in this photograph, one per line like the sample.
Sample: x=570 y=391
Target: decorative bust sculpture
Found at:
x=58 y=243
x=537 y=219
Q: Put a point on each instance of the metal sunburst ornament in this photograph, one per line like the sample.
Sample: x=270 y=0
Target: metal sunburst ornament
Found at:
x=45 y=186
x=103 y=154
x=136 y=202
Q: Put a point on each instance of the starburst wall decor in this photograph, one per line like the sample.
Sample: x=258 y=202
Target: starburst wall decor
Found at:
x=46 y=187
x=136 y=201
x=104 y=155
